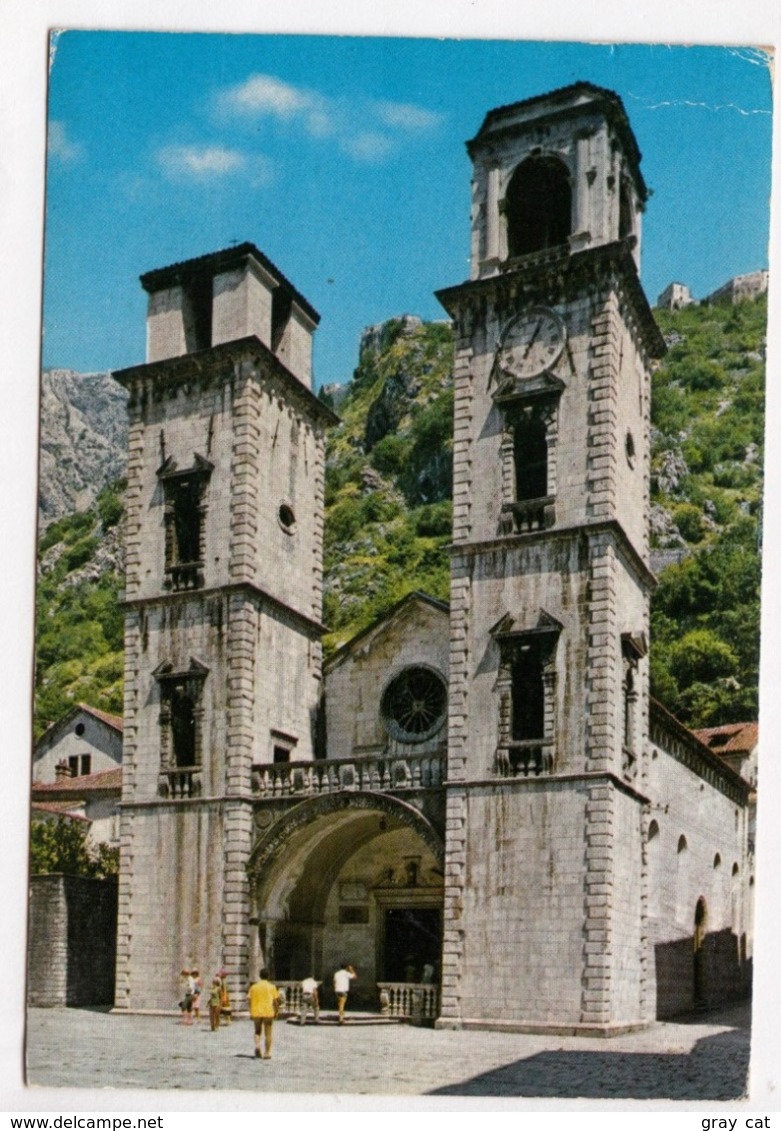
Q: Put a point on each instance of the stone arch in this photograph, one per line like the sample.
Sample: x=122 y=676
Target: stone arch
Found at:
x=337 y=866
x=538 y=205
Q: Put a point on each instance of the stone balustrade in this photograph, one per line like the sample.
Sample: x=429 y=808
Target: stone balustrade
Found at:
x=379 y=774
x=416 y=1000
x=524 y=759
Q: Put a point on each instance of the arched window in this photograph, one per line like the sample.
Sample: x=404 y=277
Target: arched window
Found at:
x=682 y=882
x=626 y=226
x=655 y=871
x=538 y=206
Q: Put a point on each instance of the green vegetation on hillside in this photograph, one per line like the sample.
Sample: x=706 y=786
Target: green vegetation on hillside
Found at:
x=707 y=454
x=388 y=517
x=79 y=622
x=389 y=479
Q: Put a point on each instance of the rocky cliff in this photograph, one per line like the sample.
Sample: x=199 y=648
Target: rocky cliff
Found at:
x=83 y=440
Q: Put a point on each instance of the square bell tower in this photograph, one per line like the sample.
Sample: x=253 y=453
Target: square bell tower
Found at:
x=550 y=581
x=224 y=526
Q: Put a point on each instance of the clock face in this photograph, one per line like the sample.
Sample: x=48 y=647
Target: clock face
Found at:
x=531 y=342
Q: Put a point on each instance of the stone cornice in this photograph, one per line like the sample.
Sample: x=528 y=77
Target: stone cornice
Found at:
x=314 y=627
x=555 y=275
x=565 y=533
x=543 y=780
x=687 y=749
x=558 y=105
x=208 y=365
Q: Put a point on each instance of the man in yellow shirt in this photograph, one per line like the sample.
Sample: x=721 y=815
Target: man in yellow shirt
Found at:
x=263 y=1008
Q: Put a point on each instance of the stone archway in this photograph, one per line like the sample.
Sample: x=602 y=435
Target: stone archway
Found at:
x=346 y=876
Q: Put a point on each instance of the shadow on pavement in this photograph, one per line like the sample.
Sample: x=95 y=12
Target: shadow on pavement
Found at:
x=715 y=1069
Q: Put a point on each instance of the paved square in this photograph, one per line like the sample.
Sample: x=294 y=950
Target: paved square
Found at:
x=702 y=1058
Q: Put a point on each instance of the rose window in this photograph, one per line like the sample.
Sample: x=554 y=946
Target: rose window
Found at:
x=414 y=704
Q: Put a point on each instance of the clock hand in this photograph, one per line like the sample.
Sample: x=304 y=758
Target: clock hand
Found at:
x=532 y=339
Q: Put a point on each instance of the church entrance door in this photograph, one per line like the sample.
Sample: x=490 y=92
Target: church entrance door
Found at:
x=412 y=942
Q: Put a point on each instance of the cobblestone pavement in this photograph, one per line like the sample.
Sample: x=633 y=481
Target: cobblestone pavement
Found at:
x=702 y=1058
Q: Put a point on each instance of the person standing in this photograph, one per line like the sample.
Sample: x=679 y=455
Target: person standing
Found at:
x=186 y=1004
x=342 y=979
x=197 y=991
x=310 y=998
x=263 y=998
x=225 y=998
x=214 y=1005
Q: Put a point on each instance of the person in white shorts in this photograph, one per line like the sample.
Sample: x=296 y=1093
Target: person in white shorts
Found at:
x=342 y=979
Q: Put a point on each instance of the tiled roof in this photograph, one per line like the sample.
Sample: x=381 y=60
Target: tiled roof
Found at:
x=731 y=738
x=58 y=809
x=114 y=721
x=106 y=781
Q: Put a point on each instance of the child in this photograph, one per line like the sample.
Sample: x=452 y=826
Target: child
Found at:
x=215 y=995
x=186 y=1004
x=225 y=998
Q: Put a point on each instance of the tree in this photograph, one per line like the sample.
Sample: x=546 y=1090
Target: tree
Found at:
x=62 y=845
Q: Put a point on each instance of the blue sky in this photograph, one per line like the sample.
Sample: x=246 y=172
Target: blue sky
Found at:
x=343 y=159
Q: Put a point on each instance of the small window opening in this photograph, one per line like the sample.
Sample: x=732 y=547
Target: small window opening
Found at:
x=187 y=522
x=183 y=728
x=538 y=206
x=528 y=695
x=80 y=765
x=73 y=765
x=79 y=729
x=287 y=519
x=530 y=453
x=281 y=304
x=198 y=313
x=281 y=754
x=625 y=216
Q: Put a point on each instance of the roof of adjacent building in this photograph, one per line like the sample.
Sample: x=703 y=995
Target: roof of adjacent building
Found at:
x=216 y=262
x=730 y=738
x=58 y=809
x=112 y=721
x=107 y=781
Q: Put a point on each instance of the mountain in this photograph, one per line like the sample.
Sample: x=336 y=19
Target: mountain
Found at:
x=388 y=509
x=83 y=440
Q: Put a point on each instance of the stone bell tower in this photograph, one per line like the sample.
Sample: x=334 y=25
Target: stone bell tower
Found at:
x=223 y=602
x=545 y=876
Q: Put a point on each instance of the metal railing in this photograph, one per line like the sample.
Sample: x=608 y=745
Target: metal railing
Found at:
x=330 y=775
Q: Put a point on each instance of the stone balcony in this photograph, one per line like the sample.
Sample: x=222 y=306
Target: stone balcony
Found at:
x=377 y=773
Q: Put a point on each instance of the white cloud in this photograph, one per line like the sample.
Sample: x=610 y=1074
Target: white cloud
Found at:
x=60 y=145
x=407 y=116
x=366 y=130
x=201 y=162
x=367 y=146
x=266 y=95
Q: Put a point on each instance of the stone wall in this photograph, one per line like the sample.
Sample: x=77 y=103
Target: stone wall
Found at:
x=72 y=939
x=697 y=850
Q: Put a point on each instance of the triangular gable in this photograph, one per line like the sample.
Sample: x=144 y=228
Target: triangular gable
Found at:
x=366 y=638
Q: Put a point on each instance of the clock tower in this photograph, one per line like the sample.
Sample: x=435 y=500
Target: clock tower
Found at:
x=550 y=583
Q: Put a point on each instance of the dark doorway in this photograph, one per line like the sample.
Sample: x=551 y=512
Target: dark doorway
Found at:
x=413 y=940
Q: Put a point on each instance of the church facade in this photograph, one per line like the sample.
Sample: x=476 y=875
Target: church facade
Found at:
x=475 y=803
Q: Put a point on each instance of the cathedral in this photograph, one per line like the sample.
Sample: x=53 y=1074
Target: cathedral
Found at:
x=476 y=803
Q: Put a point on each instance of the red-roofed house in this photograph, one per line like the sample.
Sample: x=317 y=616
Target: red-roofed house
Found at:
x=85 y=741
x=89 y=797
